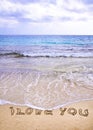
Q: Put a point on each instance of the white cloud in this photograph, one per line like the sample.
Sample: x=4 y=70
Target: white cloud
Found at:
x=65 y=14
x=8 y=22
x=37 y=11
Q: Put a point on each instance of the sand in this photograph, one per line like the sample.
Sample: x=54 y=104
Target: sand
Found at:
x=77 y=116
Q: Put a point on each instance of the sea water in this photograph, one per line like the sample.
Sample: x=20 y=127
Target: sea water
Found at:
x=45 y=71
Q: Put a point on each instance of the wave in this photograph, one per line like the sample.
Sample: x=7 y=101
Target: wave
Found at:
x=47 y=55
x=4 y=102
x=15 y=54
x=39 y=91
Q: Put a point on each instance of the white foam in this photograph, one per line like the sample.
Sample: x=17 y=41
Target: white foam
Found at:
x=3 y=102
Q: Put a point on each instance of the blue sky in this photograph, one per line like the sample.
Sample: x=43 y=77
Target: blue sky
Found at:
x=46 y=17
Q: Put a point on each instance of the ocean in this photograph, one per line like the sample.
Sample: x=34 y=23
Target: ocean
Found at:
x=46 y=71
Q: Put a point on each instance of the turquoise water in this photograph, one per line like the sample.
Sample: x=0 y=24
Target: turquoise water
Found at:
x=46 y=39
x=45 y=45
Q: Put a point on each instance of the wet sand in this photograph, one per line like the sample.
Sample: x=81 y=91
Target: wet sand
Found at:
x=78 y=116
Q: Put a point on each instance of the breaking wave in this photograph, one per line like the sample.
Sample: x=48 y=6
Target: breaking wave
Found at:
x=51 y=55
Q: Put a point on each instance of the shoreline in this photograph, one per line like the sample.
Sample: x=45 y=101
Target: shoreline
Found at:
x=77 y=116
x=7 y=103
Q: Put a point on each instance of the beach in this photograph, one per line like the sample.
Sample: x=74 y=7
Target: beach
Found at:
x=46 y=82
x=46 y=64
x=77 y=116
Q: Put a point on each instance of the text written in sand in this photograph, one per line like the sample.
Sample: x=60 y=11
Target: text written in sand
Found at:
x=62 y=111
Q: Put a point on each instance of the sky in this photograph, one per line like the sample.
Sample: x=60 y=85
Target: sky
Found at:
x=53 y=17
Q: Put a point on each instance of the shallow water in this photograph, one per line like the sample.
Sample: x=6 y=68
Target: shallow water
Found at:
x=45 y=83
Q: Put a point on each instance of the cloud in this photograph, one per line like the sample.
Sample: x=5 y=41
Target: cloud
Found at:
x=14 y=13
x=33 y=1
x=87 y=1
x=38 y=11
x=23 y=1
x=64 y=19
x=32 y=12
